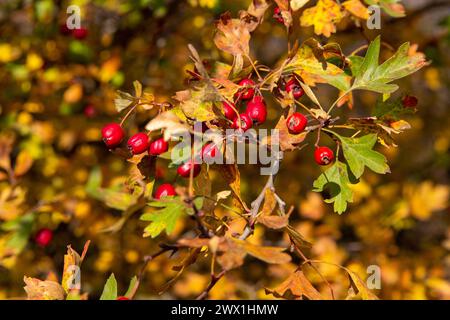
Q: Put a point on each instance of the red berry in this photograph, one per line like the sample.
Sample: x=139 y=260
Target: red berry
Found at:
x=138 y=143
x=122 y=298
x=294 y=87
x=296 y=122
x=245 y=124
x=209 y=152
x=409 y=101
x=277 y=15
x=79 y=33
x=228 y=110
x=158 y=147
x=43 y=237
x=323 y=155
x=257 y=110
x=185 y=169
x=164 y=190
x=89 y=111
x=112 y=134
x=249 y=91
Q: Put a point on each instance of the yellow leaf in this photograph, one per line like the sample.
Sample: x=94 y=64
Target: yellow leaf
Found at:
x=74 y=93
x=356 y=8
x=297 y=4
x=23 y=163
x=426 y=198
x=109 y=68
x=323 y=17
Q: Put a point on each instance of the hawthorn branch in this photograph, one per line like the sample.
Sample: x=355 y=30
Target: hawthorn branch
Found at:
x=212 y=283
x=164 y=248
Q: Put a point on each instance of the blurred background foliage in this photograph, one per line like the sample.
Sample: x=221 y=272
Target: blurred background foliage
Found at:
x=57 y=92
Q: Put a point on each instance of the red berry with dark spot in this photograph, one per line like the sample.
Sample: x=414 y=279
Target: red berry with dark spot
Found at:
x=257 y=110
x=138 y=143
x=228 y=110
x=409 y=101
x=245 y=123
x=43 y=237
x=248 y=92
x=164 y=190
x=323 y=156
x=112 y=134
x=296 y=123
x=158 y=147
x=122 y=298
x=277 y=15
x=80 y=33
x=294 y=87
x=209 y=152
x=185 y=169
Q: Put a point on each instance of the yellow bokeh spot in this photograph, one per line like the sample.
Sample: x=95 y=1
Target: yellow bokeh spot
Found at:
x=132 y=256
x=82 y=209
x=24 y=118
x=34 y=62
x=199 y=22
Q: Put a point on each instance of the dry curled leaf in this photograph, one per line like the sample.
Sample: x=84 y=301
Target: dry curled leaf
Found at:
x=296 y=286
x=233 y=35
x=43 y=290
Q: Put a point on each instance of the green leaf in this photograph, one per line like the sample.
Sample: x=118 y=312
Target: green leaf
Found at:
x=374 y=77
x=110 y=289
x=163 y=219
x=359 y=154
x=123 y=100
x=131 y=286
x=336 y=180
x=391 y=109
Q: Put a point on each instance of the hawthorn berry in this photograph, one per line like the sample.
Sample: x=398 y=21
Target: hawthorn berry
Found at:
x=323 y=155
x=296 y=122
x=164 y=190
x=43 y=237
x=89 y=111
x=158 y=147
x=228 y=110
x=185 y=169
x=80 y=33
x=409 y=101
x=294 y=87
x=112 y=134
x=257 y=110
x=122 y=298
x=277 y=15
x=138 y=143
x=249 y=91
x=209 y=152
x=245 y=123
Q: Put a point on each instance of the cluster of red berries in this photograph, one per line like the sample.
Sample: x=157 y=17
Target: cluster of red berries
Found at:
x=256 y=111
x=113 y=134
x=79 y=33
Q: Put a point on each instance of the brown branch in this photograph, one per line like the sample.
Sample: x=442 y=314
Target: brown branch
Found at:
x=164 y=248
x=212 y=283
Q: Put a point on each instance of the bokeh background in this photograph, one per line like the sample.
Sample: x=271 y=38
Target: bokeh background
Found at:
x=56 y=93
